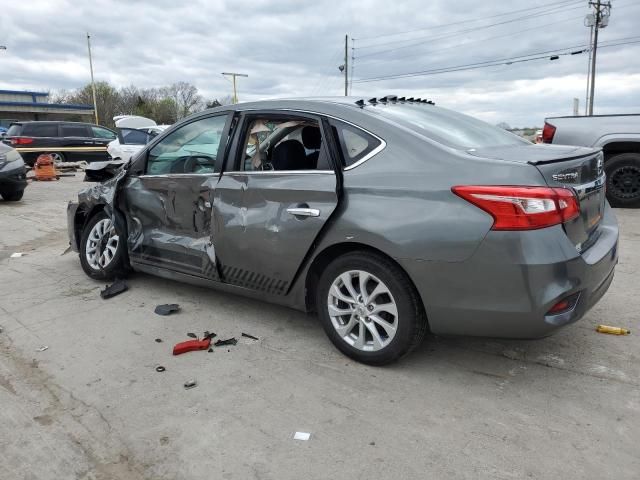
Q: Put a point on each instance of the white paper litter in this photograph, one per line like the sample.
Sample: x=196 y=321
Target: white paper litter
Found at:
x=17 y=255
x=304 y=436
x=42 y=349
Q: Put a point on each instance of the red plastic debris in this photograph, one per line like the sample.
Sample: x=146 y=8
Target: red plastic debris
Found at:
x=191 y=345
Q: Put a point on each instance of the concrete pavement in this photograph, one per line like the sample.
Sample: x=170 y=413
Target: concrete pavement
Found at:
x=92 y=405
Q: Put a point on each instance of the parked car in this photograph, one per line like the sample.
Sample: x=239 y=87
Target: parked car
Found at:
x=65 y=141
x=389 y=218
x=133 y=133
x=619 y=138
x=13 y=174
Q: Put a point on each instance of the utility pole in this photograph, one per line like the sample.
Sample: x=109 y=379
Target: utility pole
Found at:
x=93 y=83
x=235 y=91
x=346 y=65
x=601 y=20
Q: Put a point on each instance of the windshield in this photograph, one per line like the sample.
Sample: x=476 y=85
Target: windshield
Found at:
x=452 y=129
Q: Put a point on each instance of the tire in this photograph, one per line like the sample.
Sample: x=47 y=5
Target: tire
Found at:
x=623 y=180
x=109 y=259
x=13 y=196
x=57 y=157
x=399 y=331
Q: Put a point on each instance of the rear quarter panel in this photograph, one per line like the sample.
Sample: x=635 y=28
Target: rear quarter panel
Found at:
x=400 y=201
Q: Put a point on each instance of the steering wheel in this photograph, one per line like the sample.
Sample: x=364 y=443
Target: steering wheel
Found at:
x=194 y=161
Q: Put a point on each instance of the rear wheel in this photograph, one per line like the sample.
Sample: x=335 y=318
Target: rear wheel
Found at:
x=12 y=196
x=102 y=253
x=623 y=180
x=57 y=157
x=369 y=308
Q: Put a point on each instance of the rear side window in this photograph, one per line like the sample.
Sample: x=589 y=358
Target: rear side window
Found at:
x=40 y=130
x=99 y=132
x=74 y=131
x=355 y=144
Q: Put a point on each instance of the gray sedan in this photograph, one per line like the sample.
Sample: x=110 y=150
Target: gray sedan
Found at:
x=390 y=218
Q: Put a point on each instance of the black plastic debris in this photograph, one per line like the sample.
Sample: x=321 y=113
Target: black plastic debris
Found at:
x=228 y=341
x=210 y=350
x=192 y=335
x=116 y=288
x=190 y=384
x=167 y=309
x=158 y=340
x=246 y=335
x=160 y=368
x=207 y=334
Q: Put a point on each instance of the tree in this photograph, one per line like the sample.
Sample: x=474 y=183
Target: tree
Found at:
x=164 y=105
x=186 y=98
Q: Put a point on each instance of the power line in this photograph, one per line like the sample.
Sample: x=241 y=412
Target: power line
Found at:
x=467 y=21
x=549 y=54
x=455 y=33
x=457 y=45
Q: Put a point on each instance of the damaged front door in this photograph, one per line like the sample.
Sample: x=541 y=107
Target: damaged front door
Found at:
x=169 y=205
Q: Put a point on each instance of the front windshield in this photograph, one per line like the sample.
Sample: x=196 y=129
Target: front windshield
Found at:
x=450 y=128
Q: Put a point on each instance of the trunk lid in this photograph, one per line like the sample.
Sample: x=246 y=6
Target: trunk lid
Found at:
x=577 y=168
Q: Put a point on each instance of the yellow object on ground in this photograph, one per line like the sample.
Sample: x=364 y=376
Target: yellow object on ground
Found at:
x=612 y=330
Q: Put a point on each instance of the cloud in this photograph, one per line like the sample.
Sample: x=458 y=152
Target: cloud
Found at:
x=293 y=48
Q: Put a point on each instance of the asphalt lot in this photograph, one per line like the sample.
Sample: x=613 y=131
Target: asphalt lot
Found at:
x=92 y=406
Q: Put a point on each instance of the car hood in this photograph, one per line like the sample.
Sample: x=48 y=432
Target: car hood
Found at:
x=5 y=148
x=534 y=154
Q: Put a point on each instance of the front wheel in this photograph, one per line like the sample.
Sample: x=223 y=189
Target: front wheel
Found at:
x=623 y=180
x=369 y=308
x=102 y=254
x=12 y=196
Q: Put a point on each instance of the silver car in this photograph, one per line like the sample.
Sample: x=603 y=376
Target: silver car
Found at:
x=390 y=217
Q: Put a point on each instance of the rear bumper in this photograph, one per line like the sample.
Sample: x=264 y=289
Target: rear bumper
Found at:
x=13 y=180
x=514 y=278
x=74 y=242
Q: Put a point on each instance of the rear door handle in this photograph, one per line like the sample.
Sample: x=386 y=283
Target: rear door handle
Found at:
x=304 y=212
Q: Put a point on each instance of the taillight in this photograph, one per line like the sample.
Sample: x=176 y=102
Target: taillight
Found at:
x=21 y=141
x=548 y=132
x=522 y=208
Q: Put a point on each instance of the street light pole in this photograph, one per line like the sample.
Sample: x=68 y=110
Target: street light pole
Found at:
x=235 y=91
x=93 y=84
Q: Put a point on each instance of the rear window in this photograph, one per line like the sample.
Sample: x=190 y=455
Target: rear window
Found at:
x=134 y=137
x=74 y=131
x=14 y=130
x=447 y=127
x=40 y=130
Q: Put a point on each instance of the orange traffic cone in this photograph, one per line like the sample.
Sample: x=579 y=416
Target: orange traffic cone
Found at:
x=44 y=168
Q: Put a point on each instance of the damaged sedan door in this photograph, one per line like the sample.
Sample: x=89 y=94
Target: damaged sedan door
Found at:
x=276 y=193
x=169 y=204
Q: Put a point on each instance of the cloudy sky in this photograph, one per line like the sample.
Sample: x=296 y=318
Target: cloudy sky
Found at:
x=293 y=48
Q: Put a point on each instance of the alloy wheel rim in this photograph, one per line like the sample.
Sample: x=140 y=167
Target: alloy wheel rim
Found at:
x=102 y=244
x=625 y=182
x=362 y=310
x=56 y=157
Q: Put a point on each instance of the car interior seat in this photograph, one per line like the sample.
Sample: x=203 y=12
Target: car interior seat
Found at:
x=289 y=155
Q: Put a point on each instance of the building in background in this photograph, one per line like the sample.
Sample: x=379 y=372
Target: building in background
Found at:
x=24 y=105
